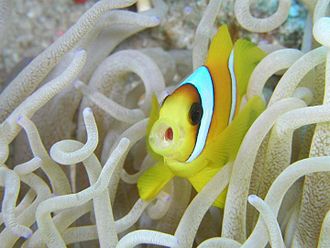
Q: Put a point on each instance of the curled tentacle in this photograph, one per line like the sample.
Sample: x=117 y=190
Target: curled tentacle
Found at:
x=267 y=215
x=188 y=226
x=49 y=232
x=27 y=80
x=272 y=63
x=220 y=243
x=55 y=174
x=204 y=33
x=293 y=76
x=278 y=189
x=114 y=109
x=61 y=151
x=324 y=240
x=234 y=214
x=11 y=181
x=39 y=98
x=253 y=24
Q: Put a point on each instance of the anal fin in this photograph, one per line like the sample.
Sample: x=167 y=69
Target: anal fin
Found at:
x=202 y=178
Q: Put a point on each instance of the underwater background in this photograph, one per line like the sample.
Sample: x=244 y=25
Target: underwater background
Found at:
x=76 y=85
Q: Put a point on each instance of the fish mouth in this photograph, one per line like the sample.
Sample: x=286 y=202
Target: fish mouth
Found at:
x=168 y=135
x=165 y=137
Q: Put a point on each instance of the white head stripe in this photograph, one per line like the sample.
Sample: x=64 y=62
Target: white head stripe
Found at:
x=202 y=81
x=233 y=85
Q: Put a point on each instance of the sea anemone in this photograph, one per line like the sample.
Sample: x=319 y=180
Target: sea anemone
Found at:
x=72 y=143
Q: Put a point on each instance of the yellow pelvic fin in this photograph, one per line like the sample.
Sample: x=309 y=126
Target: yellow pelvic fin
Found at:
x=246 y=56
x=202 y=178
x=153 y=180
x=224 y=148
x=219 y=50
x=153 y=117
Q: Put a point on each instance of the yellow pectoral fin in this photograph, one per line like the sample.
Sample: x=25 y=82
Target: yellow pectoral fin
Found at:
x=202 y=178
x=154 y=113
x=153 y=117
x=153 y=180
x=224 y=148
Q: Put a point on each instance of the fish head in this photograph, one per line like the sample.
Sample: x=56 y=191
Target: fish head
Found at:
x=174 y=133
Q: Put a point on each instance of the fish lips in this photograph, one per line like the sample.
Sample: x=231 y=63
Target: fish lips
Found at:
x=166 y=137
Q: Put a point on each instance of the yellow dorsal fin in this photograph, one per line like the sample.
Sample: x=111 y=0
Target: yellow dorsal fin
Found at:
x=246 y=56
x=217 y=63
x=154 y=115
x=219 y=50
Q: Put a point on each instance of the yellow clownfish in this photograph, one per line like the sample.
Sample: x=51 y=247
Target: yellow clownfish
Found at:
x=200 y=126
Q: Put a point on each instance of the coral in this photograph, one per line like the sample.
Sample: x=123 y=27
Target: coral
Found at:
x=72 y=133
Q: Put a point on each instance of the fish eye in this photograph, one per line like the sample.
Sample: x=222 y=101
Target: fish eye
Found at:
x=195 y=113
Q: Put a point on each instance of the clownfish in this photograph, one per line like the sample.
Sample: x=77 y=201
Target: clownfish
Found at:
x=200 y=126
